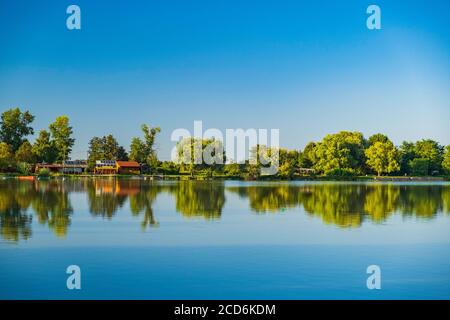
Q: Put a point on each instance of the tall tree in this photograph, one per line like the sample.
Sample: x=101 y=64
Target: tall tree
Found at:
x=143 y=151
x=44 y=149
x=343 y=150
x=25 y=153
x=191 y=153
x=138 y=150
x=382 y=157
x=62 y=132
x=433 y=152
x=105 y=148
x=446 y=161
x=407 y=152
x=149 y=137
x=378 y=137
x=15 y=126
x=307 y=157
x=6 y=156
x=96 y=151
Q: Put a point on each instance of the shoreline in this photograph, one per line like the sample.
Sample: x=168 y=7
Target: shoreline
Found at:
x=230 y=178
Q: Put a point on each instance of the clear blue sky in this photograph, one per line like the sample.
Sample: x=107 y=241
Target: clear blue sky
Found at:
x=305 y=67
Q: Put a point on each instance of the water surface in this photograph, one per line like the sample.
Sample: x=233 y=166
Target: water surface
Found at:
x=223 y=240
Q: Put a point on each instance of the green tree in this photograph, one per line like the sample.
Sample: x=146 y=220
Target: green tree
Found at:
x=44 y=149
x=382 y=157
x=307 y=158
x=419 y=166
x=14 y=127
x=143 y=151
x=191 y=152
x=288 y=162
x=433 y=152
x=105 y=148
x=138 y=150
x=378 y=137
x=343 y=150
x=446 y=160
x=6 y=156
x=62 y=132
x=407 y=151
x=25 y=153
x=233 y=169
x=122 y=154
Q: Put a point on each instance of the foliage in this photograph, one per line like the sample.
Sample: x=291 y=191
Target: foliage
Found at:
x=378 y=137
x=433 y=152
x=338 y=172
x=446 y=160
x=25 y=153
x=44 y=149
x=105 y=148
x=44 y=172
x=382 y=157
x=61 y=133
x=233 y=169
x=138 y=150
x=6 y=156
x=15 y=126
x=195 y=154
x=307 y=158
x=24 y=168
x=343 y=150
x=168 y=167
x=143 y=151
x=407 y=152
x=419 y=166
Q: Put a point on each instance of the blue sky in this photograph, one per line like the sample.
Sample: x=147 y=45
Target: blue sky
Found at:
x=305 y=67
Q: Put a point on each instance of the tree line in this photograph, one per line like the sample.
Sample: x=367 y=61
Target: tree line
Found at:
x=341 y=154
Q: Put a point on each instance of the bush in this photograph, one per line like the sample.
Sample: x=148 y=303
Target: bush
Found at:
x=24 y=168
x=44 y=172
x=345 y=172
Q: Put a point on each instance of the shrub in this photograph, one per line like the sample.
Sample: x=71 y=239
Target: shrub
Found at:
x=44 y=172
x=24 y=168
x=344 y=172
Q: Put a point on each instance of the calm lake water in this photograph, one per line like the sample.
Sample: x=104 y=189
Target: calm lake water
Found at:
x=223 y=240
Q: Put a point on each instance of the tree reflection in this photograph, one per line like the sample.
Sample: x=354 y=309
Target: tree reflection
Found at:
x=199 y=198
x=15 y=222
x=51 y=204
x=344 y=205
x=49 y=201
x=142 y=201
x=106 y=196
x=349 y=204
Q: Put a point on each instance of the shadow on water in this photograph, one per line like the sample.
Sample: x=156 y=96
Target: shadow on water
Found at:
x=341 y=204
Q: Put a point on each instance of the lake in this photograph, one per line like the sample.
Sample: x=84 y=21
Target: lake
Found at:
x=137 y=239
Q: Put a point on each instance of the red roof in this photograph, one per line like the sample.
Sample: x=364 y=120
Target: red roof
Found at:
x=128 y=164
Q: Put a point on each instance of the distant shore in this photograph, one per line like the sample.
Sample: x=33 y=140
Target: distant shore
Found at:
x=224 y=178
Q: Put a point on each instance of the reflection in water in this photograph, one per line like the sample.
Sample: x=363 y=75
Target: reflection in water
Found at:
x=340 y=204
x=202 y=198
x=347 y=205
x=51 y=204
x=15 y=222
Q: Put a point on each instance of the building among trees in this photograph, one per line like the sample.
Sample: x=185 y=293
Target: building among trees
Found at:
x=116 y=167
